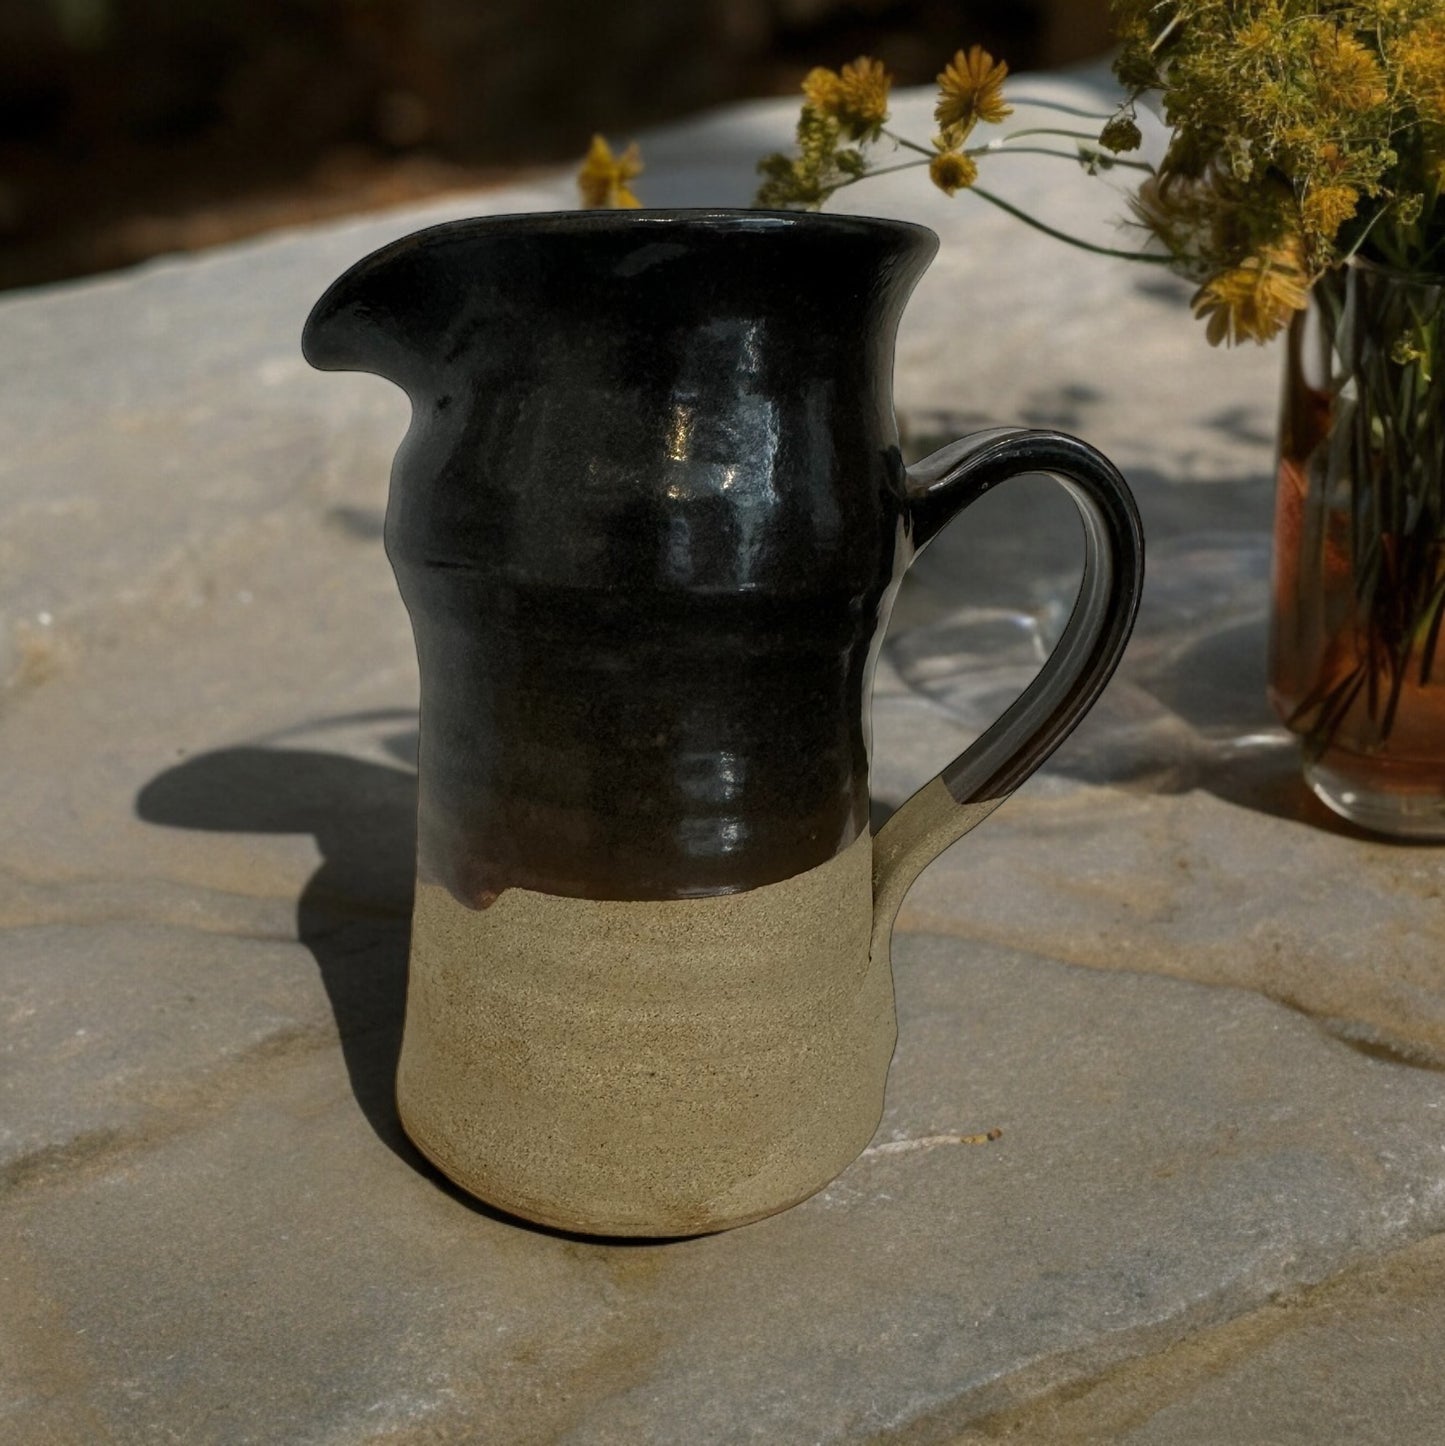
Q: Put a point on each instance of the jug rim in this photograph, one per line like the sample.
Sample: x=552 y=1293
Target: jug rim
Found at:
x=612 y=220
x=742 y=218
x=892 y=240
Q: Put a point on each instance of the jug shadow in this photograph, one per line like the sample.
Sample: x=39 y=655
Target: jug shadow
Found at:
x=1206 y=725
x=1244 y=756
x=354 y=913
x=1190 y=716
x=1187 y=709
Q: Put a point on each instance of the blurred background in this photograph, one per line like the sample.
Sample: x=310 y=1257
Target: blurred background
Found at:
x=131 y=128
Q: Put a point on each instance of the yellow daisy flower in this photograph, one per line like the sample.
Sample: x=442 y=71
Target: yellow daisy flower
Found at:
x=1255 y=300
x=863 y=103
x=952 y=171
x=602 y=181
x=971 y=90
x=856 y=97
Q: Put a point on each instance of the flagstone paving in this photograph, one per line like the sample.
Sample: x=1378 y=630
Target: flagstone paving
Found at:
x=1208 y=1021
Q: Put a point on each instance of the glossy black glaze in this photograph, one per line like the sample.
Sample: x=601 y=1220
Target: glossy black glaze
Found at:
x=648 y=521
x=1084 y=659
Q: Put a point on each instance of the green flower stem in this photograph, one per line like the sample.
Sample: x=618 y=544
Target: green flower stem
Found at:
x=1003 y=146
x=1167 y=31
x=1061 y=108
x=1362 y=237
x=1107 y=157
x=910 y=145
x=881 y=171
x=1378 y=473
x=1064 y=236
x=1002 y=141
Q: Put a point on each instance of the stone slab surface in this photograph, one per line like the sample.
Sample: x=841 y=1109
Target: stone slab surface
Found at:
x=262 y=1266
x=1204 y=1016
x=1350 y=1363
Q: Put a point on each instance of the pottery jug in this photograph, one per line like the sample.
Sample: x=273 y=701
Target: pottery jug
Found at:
x=649 y=520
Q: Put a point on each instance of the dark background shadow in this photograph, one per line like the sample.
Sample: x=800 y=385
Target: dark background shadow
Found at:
x=132 y=128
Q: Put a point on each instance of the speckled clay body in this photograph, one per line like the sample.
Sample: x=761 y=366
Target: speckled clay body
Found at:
x=689 y=1062
x=649 y=520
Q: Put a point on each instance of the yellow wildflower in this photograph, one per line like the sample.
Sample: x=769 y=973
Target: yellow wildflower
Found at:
x=863 y=104
x=1259 y=37
x=603 y=179
x=971 y=90
x=823 y=88
x=1326 y=208
x=1256 y=299
x=1421 y=58
x=1346 y=73
x=856 y=97
x=836 y=108
x=952 y=171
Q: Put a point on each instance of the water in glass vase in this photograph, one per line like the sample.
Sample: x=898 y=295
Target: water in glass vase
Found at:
x=1357 y=666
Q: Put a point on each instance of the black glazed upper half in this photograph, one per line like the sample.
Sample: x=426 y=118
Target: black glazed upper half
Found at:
x=648 y=522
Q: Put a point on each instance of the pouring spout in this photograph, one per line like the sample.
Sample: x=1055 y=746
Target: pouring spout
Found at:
x=470 y=299
x=379 y=316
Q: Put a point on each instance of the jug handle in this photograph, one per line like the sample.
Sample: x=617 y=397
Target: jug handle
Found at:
x=1044 y=714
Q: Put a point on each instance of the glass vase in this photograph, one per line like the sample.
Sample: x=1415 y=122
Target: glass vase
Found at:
x=1357 y=667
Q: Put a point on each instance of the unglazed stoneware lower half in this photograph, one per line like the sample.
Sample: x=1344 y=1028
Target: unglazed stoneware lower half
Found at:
x=657 y=1067
x=649 y=521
